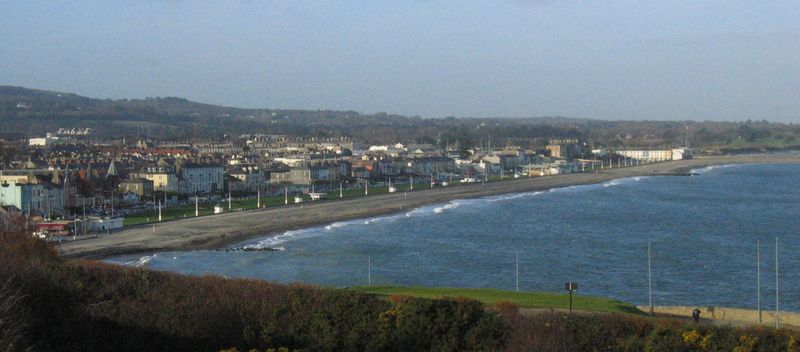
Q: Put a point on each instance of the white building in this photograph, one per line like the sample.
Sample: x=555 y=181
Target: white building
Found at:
x=680 y=154
x=655 y=155
x=246 y=179
x=43 y=141
x=96 y=224
x=41 y=198
x=203 y=178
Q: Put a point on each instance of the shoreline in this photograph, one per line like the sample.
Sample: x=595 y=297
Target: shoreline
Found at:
x=217 y=231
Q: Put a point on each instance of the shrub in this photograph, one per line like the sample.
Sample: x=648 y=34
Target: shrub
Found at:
x=441 y=325
x=78 y=305
x=73 y=305
x=14 y=318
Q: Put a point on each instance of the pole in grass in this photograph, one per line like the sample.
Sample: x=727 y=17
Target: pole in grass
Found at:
x=517 y=261
x=777 y=288
x=649 y=279
x=286 y=195
x=258 y=197
x=570 y=286
x=758 y=279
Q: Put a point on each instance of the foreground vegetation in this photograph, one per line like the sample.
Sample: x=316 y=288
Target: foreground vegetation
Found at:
x=56 y=304
x=48 y=303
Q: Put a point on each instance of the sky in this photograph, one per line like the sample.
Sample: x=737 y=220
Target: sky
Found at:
x=604 y=59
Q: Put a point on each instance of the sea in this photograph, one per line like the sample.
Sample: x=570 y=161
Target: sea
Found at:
x=697 y=234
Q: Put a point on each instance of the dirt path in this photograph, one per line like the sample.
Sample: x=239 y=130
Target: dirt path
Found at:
x=727 y=316
x=224 y=229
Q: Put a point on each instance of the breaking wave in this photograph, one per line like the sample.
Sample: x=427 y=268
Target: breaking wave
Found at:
x=703 y=170
x=451 y=205
x=141 y=262
x=272 y=241
x=505 y=197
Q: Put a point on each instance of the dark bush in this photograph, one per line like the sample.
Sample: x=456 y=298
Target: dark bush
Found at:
x=47 y=303
x=554 y=331
x=72 y=305
x=14 y=318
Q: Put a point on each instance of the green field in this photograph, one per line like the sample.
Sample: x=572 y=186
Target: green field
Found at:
x=251 y=203
x=520 y=299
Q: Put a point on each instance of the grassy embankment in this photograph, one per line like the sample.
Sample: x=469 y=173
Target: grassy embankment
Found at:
x=492 y=297
x=168 y=214
x=252 y=203
x=249 y=203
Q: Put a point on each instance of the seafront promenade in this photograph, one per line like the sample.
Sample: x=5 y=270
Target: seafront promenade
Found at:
x=207 y=232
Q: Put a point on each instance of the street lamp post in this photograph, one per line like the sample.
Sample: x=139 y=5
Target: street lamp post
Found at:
x=777 y=288
x=758 y=279
x=570 y=286
x=649 y=280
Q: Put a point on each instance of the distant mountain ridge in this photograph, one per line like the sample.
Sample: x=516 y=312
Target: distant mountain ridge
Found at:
x=26 y=113
x=182 y=105
x=171 y=117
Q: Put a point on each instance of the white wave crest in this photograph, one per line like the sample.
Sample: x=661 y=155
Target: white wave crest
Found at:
x=383 y=219
x=272 y=242
x=340 y=224
x=611 y=183
x=511 y=196
x=703 y=170
x=421 y=211
x=621 y=181
x=451 y=205
x=141 y=262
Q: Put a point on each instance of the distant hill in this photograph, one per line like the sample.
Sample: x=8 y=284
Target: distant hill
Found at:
x=29 y=112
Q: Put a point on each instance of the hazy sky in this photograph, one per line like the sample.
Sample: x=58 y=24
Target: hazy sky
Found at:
x=614 y=59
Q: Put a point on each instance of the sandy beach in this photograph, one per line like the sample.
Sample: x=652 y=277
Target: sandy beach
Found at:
x=208 y=232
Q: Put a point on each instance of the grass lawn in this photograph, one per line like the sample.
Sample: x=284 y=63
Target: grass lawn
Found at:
x=251 y=203
x=493 y=296
x=204 y=209
x=168 y=214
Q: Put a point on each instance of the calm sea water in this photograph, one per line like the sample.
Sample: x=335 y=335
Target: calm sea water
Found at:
x=703 y=231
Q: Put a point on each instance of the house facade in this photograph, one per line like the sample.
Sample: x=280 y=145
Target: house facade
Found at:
x=202 y=178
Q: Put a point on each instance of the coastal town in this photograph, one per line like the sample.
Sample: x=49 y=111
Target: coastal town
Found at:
x=72 y=183
x=286 y=176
